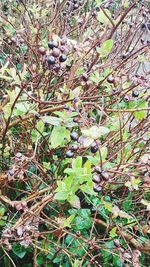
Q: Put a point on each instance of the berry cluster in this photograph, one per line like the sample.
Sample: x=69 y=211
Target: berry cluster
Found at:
x=57 y=53
x=74 y=137
x=71 y=7
x=99 y=178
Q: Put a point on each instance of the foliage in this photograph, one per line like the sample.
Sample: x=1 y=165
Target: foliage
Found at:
x=74 y=139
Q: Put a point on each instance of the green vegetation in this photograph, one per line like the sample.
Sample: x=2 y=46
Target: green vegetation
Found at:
x=74 y=133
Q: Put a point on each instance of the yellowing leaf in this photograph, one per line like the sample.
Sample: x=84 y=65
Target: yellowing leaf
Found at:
x=103 y=18
x=113 y=232
x=106 y=48
x=133 y=184
x=95 y=132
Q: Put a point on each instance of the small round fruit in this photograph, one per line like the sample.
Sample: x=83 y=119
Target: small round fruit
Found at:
x=69 y=154
x=10 y=172
x=94 y=13
x=66 y=107
x=63 y=48
x=94 y=148
x=51 y=60
x=96 y=178
x=37 y=116
x=18 y=155
x=117 y=243
x=105 y=175
x=68 y=66
x=124 y=56
x=78 y=233
x=55 y=52
x=74 y=147
x=52 y=44
x=64 y=13
x=42 y=50
x=85 y=77
x=76 y=99
x=98 y=169
x=126 y=98
x=75 y=6
x=68 y=3
x=63 y=58
x=135 y=93
x=74 y=136
x=97 y=188
x=110 y=79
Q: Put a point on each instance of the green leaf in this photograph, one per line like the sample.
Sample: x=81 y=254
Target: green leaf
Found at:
x=103 y=18
x=77 y=163
x=61 y=195
x=52 y=120
x=95 y=132
x=108 y=206
x=74 y=201
x=83 y=220
x=2 y=211
x=68 y=182
x=19 y=250
x=68 y=221
x=59 y=136
x=113 y=232
x=76 y=263
x=139 y=115
x=106 y=48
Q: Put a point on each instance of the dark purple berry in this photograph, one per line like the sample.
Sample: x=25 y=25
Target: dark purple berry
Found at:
x=68 y=66
x=74 y=136
x=64 y=13
x=97 y=188
x=85 y=77
x=94 y=148
x=98 y=169
x=56 y=67
x=124 y=56
x=66 y=107
x=42 y=50
x=55 y=52
x=63 y=48
x=96 y=178
x=63 y=58
x=117 y=243
x=18 y=155
x=37 y=116
x=50 y=60
x=126 y=98
x=52 y=44
x=135 y=93
x=110 y=79
x=69 y=154
x=75 y=6
x=10 y=172
x=68 y=3
x=78 y=233
x=74 y=147
x=105 y=175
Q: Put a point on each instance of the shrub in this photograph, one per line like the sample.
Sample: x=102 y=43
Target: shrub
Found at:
x=74 y=133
